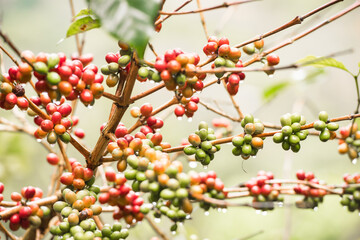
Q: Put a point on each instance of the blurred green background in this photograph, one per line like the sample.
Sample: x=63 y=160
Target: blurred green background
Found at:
x=38 y=25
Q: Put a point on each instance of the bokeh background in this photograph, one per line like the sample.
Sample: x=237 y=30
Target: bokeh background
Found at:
x=38 y=25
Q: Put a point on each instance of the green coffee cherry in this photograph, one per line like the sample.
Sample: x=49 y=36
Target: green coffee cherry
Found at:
x=238 y=141
x=332 y=126
x=323 y=116
x=285 y=120
x=319 y=125
x=278 y=137
x=219 y=62
x=124 y=60
x=287 y=130
x=143 y=72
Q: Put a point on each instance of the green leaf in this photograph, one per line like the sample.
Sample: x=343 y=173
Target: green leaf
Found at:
x=84 y=12
x=321 y=62
x=272 y=91
x=82 y=25
x=131 y=21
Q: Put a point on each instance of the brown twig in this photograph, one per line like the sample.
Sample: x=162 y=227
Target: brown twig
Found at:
x=7 y=233
x=202 y=19
x=152 y=49
x=293 y=22
x=267 y=134
x=258 y=57
x=45 y=201
x=147 y=92
x=154 y=112
x=111 y=96
x=64 y=155
x=78 y=45
x=160 y=20
x=116 y=114
x=11 y=127
x=235 y=104
x=224 y=5
x=155 y=228
x=219 y=112
x=9 y=55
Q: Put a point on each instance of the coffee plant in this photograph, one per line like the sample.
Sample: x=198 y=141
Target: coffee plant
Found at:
x=132 y=173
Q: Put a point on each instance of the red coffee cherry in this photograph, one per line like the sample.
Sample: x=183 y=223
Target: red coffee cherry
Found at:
x=146 y=109
x=52 y=159
x=273 y=59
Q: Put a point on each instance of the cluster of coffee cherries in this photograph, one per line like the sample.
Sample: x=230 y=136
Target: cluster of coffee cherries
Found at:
x=251 y=48
x=326 y=128
x=57 y=125
x=248 y=144
x=78 y=204
x=187 y=107
x=116 y=62
x=56 y=75
x=11 y=96
x=207 y=184
x=349 y=143
x=312 y=196
x=144 y=113
x=291 y=133
x=264 y=193
x=30 y=214
x=201 y=144
x=127 y=202
x=126 y=145
x=226 y=57
x=351 y=196
x=176 y=69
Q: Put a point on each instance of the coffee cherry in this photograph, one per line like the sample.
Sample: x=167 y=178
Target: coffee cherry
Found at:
x=248 y=49
x=272 y=59
x=259 y=44
x=53 y=159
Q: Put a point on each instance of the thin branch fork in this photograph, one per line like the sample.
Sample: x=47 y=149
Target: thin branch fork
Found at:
x=118 y=110
x=41 y=202
x=155 y=228
x=177 y=9
x=258 y=57
x=293 y=22
x=267 y=134
x=224 y=5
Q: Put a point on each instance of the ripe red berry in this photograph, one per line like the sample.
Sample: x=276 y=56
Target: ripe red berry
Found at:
x=223 y=41
x=146 y=109
x=1 y=187
x=111 y=57
x=110 y=175
x=179 y=111
x=170 y=55
x=65 y=109
x=309 y=176
x=224 y=50
x=266 y=189
x=15 y=219
x=52 y=158
x=255 y=190
x=300 y=175
x=25 y=212
x=47 y=125
x=121 y=131
x=233 y=79
x=86 y=96
x=273 y=59
x=29 y=192
x=79 y=133
x=67 y=178
x=160 y=65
